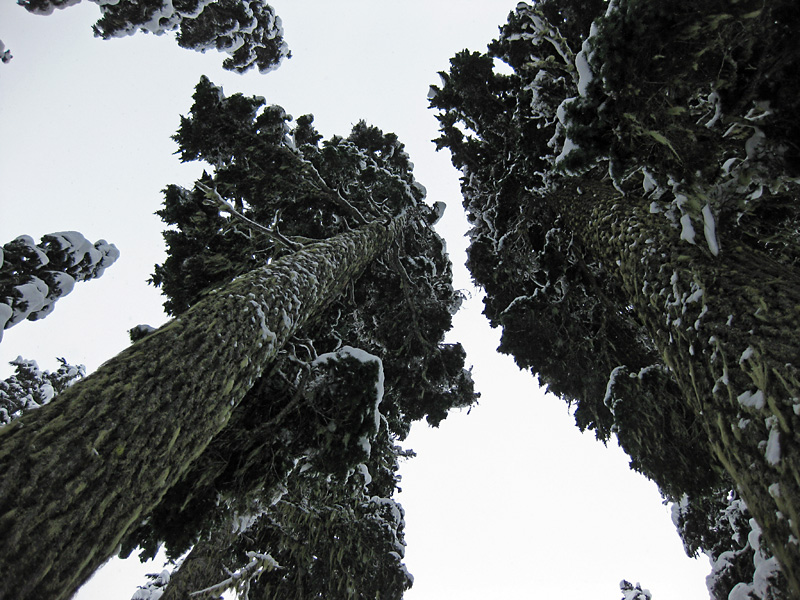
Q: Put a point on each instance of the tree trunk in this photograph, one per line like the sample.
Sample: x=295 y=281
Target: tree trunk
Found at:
x=82 y=471
x=728 y=327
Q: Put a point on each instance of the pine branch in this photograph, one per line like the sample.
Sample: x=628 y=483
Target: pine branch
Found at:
x=319 y=183
x=405 y=284
x=240 y=579
x=274 y=235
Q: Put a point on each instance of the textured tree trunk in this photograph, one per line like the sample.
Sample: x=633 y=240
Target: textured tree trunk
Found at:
x=728 y=327
x=80 y=472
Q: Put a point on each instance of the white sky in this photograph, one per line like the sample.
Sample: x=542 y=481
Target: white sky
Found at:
x=510 y=501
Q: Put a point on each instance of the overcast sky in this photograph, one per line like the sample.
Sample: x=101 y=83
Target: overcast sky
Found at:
x=509 y=501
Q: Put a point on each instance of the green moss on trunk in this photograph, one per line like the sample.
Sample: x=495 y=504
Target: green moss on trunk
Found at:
x=81 y=471
x=727 y=327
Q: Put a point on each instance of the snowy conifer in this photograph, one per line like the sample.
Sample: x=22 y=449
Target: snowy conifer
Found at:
x=287 y=252
x=247 y=30
x=396 y=312
x=33 y=276
x=631 y=186
x=30 y=387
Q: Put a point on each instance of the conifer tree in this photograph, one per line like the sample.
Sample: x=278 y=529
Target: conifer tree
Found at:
x=173 y=420
x=248 y=30
x=34 y=276
x=631 y=187
x=30 y=388
x=397 y=312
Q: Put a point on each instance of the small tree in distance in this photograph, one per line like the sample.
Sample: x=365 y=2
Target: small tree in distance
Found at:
x=30 y=388
x=248 y=30
x=34 y=276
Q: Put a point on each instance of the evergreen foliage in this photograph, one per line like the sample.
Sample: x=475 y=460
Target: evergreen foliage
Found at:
x=30 y=388
x=249 y=31
x=311 y=297
x=5 y=55
x=719 y=525
x=630 y=187
x=279 y=186
x=634 y=592
x=33 y=276
x=284 y=179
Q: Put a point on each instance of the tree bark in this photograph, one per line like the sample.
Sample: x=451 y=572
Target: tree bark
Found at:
x=82 y=471
x=727 y=326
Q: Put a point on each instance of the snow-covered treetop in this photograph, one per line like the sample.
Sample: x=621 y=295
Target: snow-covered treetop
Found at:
x=30 y=388
x=247 y=30
x=285 y=180
x=33 y=276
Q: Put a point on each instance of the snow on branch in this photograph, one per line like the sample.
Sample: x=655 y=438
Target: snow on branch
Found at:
x=31 y=388
x=214 y=198
x=33 y=276
x=240 y=580
x=5 y=55
x=634 y=592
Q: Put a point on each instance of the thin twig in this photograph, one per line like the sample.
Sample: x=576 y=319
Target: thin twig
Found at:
x=405 y=285
x=322 y=186
x=223 y=205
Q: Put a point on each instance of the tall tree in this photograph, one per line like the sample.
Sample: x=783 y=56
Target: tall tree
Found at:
x=248 y=30
x=107 y=450
x=34 y=276
x=631 y=187
x=397 y=311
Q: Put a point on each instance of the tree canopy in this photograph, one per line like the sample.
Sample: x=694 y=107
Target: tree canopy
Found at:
x=630 y=186
x=266 y=172
x=256 y=389
x=249 y=31
x=34 y=276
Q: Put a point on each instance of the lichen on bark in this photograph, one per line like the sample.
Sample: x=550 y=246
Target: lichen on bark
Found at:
x=726 y=327
x=82 y=471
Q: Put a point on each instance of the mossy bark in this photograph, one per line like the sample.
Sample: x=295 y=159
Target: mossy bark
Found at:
x=728 y=327
x=79 y=473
